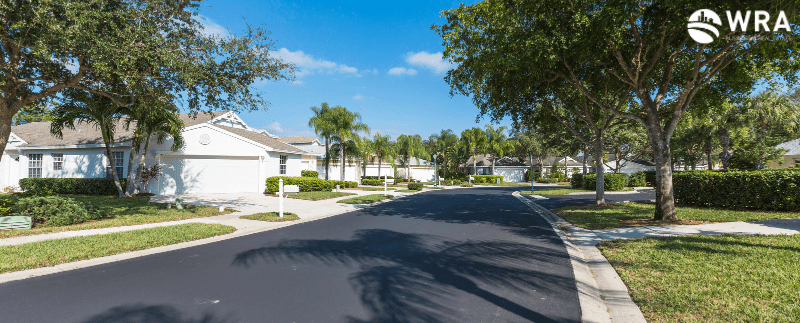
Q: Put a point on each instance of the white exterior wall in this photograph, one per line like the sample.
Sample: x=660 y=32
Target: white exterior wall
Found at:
x=423 y=174
x=78 y=163
x=511 y=174
x=386 y=170
x=335 y=172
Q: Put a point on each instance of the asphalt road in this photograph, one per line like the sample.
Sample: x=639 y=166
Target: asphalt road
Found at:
x=463 y=255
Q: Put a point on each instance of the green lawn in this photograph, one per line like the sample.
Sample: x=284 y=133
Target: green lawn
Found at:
x=367 y=188
x=122 y=212
x=59 y=251
x=504 y=184
x=316 y=196
x=434 y=187
x=727 y=278
x=271 y=217
x=407 y=191
x=366 y=199
x=638 y=214
x=554 y=191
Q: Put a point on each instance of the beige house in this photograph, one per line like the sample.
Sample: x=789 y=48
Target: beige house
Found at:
x=792 y=156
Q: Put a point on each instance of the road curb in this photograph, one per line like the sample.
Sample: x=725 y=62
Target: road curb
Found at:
x=42 y=271
x=602 y=293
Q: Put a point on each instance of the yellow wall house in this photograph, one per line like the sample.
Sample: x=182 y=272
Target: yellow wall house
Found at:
x=792 y=156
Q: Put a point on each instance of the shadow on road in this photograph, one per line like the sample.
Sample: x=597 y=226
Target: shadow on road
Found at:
x=407 y=277
x=150 y=314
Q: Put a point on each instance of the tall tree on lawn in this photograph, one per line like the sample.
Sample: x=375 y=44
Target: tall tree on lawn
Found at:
x=323 y=126
x=384 y=149
x=48 y=47
x=346 y=125
x=497 y=143
x=409 y=147
x=474 y=140
x=640 y=47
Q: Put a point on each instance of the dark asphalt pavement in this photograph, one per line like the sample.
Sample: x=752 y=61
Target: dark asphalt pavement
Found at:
x=462 y=255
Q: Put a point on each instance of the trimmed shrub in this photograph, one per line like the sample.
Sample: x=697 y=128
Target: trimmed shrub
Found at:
x=486 y=179
x=611 y=181
x=761 y=190
x=547 y=180
x=415 y=186
x=309 y=173
x=560 y=177
x=343 y=184
x=375 y=177
x=536 y=175
x=576 y=181
x=374 y=182
x=637 y=179
x=650 y=177
x=56 y=210
x=306 y=184
x=6 y=207
x=85 y=186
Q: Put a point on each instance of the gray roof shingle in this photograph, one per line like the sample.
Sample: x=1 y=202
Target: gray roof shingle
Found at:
x=262 y=139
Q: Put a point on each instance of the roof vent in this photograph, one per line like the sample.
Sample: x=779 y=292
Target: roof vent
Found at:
x=205 y=139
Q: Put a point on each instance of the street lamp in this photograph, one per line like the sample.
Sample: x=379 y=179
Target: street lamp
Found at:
x=530 y=175
x=435 y=172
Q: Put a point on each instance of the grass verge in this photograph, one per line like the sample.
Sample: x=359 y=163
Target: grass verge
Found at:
x=554 y=191
x=376 y=188
x=59 y=251
x=366 y=199
x=407 y=191
x=122 y=212
x=316 y=196
x=271 y=217
x=641 y=214
x=727 y=278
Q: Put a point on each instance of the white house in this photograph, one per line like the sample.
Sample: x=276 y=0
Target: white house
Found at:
x=222 y=154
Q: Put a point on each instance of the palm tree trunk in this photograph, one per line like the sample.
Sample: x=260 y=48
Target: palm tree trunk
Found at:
x=129 y=187
x=327 y=158
x=492 y=164
x=140 y=168
x=341 y=155
x=474 y=169
x=380 y=161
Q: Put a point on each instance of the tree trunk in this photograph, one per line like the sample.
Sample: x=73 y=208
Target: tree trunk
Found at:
x=585 y=155
x=380 y=161
x=5 y=129
x=541 y=167
x=600 y=196
x=725 y=141
x=142 y=157
x=327 y=157
x=493 y=164
x=130 y=186
x=114 y=175
x=665 y=198
x=565 y=165
x=341 y=155
x=474 y=169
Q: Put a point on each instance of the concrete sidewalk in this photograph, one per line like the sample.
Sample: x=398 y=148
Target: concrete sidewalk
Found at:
x=768 y=227
x=245 y=204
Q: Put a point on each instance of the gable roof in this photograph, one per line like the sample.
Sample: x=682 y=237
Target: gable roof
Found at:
x=792 y=147
x=297 y=139
x=38 y=134
x=261 y=139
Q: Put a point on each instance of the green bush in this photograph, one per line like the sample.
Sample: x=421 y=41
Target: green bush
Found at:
x=85 y=186
x=415 y=186
x=536 y=175
x=558 y=176
x=375 y=182
x=547 y=180
x=309 y=173
x=611 y=181
x=576 y=181
x=478 y=179
x=345 y=184
x=306 y=184
x=6 y=206
x=375 y=177
x=637 y=179
x=56 y=210
x=650 y=177
x=762 y=190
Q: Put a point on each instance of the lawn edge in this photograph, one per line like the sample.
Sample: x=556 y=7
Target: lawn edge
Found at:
x=602 y=294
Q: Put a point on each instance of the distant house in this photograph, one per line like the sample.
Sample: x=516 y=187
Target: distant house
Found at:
x=222 y=154
x=792 y=156
x=628 y=166
x=513 y=170
x=315 y=150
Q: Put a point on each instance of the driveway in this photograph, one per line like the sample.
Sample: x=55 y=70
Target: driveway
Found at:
x=456 y=255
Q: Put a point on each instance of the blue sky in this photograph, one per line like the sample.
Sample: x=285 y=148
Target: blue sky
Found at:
x=381 y=60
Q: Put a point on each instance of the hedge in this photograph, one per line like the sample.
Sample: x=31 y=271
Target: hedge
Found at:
x=375 y=177
x=547 y=180
x=576 y=181
x=536 y=175
x=478 y=179
x=637 y=179
x=761 y=190
x=611 y=181
x=309 y=173
x=650 y=177
x=306 y=184
x=375 y=182
x=345 y=184
x=85 y=186
x=56 y=210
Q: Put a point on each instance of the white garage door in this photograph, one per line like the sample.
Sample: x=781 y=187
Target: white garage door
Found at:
x=208 y=174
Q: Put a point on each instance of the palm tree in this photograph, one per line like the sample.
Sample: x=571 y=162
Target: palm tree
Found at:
x=82 y=107
x=151 y=118
x=498 y=144
x=323 y=127
x=383 y=147
x=474 y=140
x=346 y=125
x=408 y=147
x=364 y=153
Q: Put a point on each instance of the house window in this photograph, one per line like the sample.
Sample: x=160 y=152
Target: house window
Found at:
x=34 y=165
x=58 y=161
x=283 y=164
x=119 y=161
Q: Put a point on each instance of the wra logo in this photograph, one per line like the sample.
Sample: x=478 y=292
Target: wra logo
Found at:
x=702 y=23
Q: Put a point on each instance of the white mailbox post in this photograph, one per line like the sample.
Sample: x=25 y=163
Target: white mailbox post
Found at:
x=283 y=193
x=471 y=179
x=386 y=182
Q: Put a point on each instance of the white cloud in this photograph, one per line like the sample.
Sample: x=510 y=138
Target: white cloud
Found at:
x=402 y=71
x=358 y=97
x=274 y=127
x=307 y=64
x=431 y=61
x=211 y=28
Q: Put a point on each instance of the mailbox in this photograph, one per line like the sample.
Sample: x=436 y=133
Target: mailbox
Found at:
x=390 y=181
x=291 y=189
